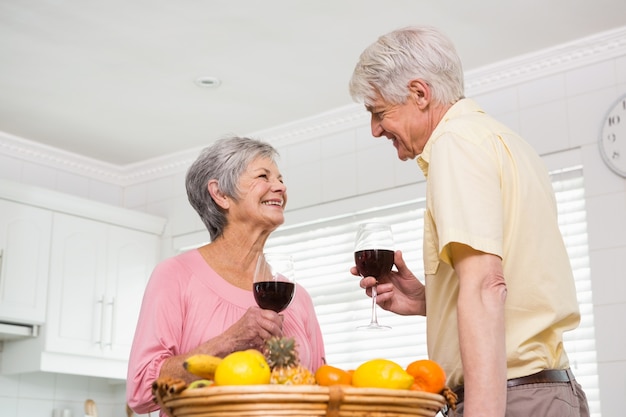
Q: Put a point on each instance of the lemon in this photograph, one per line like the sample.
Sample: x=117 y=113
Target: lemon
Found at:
x=243 y=368
x=381 y=373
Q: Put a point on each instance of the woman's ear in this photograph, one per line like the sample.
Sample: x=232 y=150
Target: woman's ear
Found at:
x=217 y=195
x=420 y=92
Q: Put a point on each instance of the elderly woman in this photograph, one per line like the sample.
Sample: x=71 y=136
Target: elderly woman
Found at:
x=201 y=301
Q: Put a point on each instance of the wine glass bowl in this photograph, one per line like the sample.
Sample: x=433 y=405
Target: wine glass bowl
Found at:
x=274 y=281
x=373 y=256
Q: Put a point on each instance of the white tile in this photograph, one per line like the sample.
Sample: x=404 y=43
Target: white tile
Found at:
x=339 y=177
x=135 y=196
x=34 y=407
x=499 y=102
x=382 y=149
x=110 y=410
x=406 y=172
x=510 y=120
x=304 y=152
x=178 y=184
x=162 y=208
x=9 y=406
x=159 y=189
x=585 y=113
x=100 y=390
x=620 y=70
x=338 y=144
x=283 y=168
x=106 y=193
x=540 y=91
x=364 y=138
x=608 y=275
x=610 y=343
x=283 y=153
x=375 y=170
x=70 y=387
x=39 y=385
x=183 y=218
x=612 y=387
x=599 y=179
x=73 y=184
x=305 y=186
x=119 y=392
x=545 y=126
x=9 y=385
x=606 y=222
x=74 y=408
x=10 y=168
x=39 y=175
x=589 y=78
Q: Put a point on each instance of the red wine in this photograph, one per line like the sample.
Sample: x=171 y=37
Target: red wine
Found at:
x=274 y=295
x=373 y=262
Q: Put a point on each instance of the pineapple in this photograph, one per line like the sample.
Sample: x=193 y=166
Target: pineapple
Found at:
x=282 y=356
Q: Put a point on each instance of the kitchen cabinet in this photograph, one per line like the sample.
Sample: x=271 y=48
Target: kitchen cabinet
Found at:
x=24 y=253
x=98 y=273
x=96 y=260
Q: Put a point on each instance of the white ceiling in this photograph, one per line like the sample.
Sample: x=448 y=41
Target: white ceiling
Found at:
x=114 y=80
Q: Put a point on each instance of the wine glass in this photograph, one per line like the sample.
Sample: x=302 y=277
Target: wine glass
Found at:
x=373 y=255
x=274 y=281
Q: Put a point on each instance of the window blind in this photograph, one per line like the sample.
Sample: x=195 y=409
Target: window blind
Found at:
x=323 y=253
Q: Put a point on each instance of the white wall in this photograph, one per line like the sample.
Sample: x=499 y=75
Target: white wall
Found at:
x=555 y=98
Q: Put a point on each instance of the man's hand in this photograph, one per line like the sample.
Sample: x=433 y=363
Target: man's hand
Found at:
x=398 y=291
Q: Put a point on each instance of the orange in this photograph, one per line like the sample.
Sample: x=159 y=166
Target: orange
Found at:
x=243 y=368
x=428 y=376
x=381 y=373
x=327 y=375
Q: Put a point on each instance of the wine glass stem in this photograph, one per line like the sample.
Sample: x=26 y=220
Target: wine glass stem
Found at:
x=374 y=316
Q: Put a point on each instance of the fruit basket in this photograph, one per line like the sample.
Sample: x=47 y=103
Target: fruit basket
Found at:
x=293 y=401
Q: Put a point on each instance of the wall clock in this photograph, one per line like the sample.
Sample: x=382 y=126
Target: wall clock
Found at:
x=612 y=141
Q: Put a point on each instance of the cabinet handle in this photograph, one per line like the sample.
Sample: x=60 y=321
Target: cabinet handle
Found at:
x=1 y=264
x=98 y=320
x=111 y=323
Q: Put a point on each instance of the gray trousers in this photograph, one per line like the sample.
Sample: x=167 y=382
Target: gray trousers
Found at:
x=553 y=399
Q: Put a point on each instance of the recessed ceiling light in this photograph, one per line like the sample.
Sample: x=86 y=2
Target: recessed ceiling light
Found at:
x=208 y=82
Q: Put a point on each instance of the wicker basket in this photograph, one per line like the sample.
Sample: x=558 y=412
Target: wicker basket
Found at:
x=297 y=400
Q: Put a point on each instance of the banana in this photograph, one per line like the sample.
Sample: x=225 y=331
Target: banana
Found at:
x=200 y=383
x=202 y=365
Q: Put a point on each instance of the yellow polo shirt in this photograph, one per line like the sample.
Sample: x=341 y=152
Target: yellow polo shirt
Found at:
x=487 y=188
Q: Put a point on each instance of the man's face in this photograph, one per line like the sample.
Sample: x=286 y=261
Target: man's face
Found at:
x=406 y=125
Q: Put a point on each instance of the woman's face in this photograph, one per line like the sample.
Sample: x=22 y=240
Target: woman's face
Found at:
x=262 y=195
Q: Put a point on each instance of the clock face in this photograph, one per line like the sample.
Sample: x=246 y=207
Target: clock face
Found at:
x=613 y=137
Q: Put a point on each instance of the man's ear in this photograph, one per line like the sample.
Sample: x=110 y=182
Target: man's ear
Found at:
x=217 y=195
x=420 y=92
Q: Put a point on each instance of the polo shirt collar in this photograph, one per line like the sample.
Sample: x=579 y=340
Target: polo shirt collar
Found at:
x=463 y=106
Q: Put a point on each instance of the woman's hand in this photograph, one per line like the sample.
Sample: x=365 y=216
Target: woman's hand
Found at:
x=252 y=330
x=249 y=332
x=398 y=291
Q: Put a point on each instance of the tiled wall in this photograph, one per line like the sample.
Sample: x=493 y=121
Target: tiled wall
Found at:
x=334 y=169
x=40 y=394
x=25 y=171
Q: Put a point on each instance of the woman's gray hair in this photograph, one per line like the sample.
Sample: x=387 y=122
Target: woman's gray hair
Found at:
x=223 y=161
x=389 y=64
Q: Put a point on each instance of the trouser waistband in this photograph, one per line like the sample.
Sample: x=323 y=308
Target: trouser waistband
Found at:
x=541 y=377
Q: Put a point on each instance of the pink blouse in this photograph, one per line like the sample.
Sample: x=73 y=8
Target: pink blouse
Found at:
x=187 y=303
